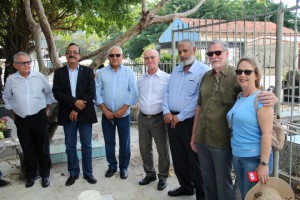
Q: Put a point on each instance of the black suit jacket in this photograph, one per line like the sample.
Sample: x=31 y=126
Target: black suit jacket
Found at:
x=85 y=90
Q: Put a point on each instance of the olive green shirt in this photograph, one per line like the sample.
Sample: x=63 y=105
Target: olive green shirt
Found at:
x=216 y=98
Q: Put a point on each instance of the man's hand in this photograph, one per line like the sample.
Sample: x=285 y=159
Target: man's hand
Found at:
x=168 y=118
x=80 y=104
x=73 y=115
x=48 y=111
x=267 y=98
x=108 y=114
x=120 y=112
x=175 y=121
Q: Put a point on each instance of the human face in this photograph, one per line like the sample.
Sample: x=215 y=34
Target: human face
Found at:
x=115 y=61
x=246 y=81
x=218 y=62
x=151 y=59
x=186 y=53
x=23 y=65
x=72 y=55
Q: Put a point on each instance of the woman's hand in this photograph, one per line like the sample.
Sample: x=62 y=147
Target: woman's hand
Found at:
x=263 y=173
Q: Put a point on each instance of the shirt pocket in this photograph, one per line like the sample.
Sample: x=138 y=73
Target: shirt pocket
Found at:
x=227 y=95
x=192 y=86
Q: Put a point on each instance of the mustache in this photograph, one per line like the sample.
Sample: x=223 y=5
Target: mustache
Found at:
x=72 y=57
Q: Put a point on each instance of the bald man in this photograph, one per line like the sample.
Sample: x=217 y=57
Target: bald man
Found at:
x=151 y=89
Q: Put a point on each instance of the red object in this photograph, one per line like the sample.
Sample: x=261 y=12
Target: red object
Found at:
x=253 y=177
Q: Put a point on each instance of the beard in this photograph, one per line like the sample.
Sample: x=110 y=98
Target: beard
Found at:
x=189 y=61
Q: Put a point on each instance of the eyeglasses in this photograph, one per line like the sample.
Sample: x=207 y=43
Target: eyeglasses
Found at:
x=150 y=57
x=247 y=72
x=72 y=52
x=23 y=63
x=114 y=55
x=211 y=53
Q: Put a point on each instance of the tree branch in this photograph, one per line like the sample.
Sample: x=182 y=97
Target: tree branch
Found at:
x=144 y=6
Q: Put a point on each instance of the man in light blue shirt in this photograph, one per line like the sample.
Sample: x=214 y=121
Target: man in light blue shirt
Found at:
x=28 y=95
x=179 y=108
x=115 y=93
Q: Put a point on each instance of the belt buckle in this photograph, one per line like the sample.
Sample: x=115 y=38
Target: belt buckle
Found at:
x=148 y=116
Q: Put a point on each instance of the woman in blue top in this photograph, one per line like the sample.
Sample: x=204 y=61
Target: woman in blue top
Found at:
x=251 y=129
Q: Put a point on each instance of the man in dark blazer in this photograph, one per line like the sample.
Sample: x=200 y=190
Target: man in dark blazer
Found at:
x=74 y=89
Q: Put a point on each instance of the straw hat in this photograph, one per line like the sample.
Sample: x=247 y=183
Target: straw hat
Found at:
x=275 y=189
x=89 y=195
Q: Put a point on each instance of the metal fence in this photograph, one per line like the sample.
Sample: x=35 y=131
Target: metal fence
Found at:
x=275 y=46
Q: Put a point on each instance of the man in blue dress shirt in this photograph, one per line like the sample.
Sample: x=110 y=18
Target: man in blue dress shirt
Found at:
x=28 y=95
x=179 y=108
x=115 y=93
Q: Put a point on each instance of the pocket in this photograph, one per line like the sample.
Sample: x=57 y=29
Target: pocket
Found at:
x=192 y=86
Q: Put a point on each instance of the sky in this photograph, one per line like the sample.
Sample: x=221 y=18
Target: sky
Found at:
x=289 y=3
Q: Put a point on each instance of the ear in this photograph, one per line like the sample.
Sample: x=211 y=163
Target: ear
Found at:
x=194 y=50
x=15 y=66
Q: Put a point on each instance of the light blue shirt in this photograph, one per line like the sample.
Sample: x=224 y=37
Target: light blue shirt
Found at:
x=246 y=134
x=73 y=74
x=27 y=96
x=183 y=89
x=115 y=89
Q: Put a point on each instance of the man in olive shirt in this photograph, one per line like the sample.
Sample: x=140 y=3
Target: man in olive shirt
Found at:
x=218 y=92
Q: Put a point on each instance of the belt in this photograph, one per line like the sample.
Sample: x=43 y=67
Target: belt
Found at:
x=174 y=112
x=151 y=116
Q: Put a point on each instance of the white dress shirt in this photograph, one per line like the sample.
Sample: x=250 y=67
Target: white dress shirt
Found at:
x=151 y=91
x=27 y=96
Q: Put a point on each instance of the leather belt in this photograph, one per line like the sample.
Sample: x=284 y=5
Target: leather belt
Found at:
x=151 y=116
x=174 y=112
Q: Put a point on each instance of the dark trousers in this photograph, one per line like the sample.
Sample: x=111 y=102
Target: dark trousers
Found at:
x=109 y=133
x=185 y=160
x=32 y=132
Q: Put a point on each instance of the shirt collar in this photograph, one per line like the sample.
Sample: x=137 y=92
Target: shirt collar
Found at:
x=31 y=73
x=224 y=71
x=157 y=73
x=77 y=68
x=192 y=69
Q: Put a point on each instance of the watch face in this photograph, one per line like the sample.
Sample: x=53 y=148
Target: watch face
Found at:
x=263 y=163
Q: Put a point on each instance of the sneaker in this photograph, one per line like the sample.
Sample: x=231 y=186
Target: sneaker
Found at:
x=4 y=183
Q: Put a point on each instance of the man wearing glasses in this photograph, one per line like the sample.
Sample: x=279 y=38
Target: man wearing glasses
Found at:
x=115 y=93
x=74 y=89
x=152 y=86
x=28 y=95
x=211 y=135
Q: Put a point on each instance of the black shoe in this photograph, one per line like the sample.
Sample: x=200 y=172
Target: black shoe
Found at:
x=147 y=180
x=71 y=180
x=4 y=183
x=162 y=184
x=91 y=179
x=110 y=172
x=124 y=174
x=179 y=192
x=45 y=182
x=30 y=182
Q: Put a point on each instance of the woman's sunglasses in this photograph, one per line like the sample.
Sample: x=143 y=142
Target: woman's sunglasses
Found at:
x=247 y=72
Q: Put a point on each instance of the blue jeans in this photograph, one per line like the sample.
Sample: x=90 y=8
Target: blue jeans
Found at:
x=85 y=133
x=109 y=133
x=243 y=165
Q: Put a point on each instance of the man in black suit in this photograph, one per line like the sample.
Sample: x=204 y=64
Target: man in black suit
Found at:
x=74 y=89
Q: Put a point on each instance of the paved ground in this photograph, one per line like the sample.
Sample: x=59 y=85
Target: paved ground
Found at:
x=119 y=189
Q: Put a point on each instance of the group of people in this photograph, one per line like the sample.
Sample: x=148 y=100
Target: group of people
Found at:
x=184 y=113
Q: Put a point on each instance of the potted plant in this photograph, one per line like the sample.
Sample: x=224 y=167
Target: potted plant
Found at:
x=4 y=131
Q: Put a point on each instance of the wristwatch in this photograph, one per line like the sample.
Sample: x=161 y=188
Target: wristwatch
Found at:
x=263 y=163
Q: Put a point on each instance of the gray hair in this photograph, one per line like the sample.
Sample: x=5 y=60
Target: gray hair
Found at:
x=256 y=66
x=224 y=44
x=191 y=43
x=21 y=53
x=115 y=47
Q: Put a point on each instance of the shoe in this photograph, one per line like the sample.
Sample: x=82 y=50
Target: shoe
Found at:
x=162 y=184
x=45 y=182
x=71 y=180
x=30 y=182
x=4 y=183
x=110 y=172
x=124 y=174
x=179 y=192
x=91 y=179
x=147 y=180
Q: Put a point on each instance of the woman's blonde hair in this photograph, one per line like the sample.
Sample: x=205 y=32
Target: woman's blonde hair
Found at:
x=256 y=66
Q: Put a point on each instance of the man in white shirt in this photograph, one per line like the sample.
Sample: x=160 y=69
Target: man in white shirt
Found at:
x=28 y=95
x=151 y=89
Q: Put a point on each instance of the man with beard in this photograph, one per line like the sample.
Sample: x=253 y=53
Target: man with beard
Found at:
x=211 y=135
x=179 y=108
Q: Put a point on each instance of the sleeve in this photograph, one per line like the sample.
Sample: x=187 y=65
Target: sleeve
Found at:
x=7 y=94
x=132 y=98
x=99 y=99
